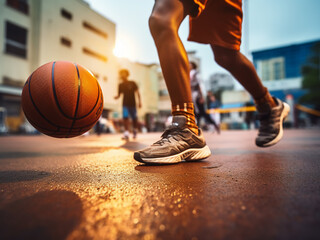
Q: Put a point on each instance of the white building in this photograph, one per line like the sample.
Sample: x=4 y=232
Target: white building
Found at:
x=34 y=32
x=220 y=81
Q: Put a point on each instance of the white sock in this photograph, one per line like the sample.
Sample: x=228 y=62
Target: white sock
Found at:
x=126 y=133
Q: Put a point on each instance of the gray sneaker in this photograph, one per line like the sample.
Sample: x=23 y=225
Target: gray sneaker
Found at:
x=271 y=121
x=177 y=143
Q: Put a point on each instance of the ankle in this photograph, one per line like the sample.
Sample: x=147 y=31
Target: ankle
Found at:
x=265 y=103
x=186 y=110
x=194 y=130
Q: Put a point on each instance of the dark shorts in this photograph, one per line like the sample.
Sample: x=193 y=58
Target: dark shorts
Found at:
x=129 y=111
x=219 y=23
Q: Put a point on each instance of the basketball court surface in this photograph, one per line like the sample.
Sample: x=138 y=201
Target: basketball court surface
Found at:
x=91 y=188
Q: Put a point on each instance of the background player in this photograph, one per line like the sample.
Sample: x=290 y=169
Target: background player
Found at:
x=129 y=89
x=198 y=98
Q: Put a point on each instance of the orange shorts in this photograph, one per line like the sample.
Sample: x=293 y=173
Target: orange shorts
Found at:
x=218 y=24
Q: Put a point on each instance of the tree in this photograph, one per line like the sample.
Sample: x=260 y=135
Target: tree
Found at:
x=311 y=78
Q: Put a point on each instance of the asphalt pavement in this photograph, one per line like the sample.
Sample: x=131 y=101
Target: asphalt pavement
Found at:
x=91 y=188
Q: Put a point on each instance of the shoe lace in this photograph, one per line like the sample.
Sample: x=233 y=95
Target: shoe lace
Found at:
x=171 y=133
x=266 y=122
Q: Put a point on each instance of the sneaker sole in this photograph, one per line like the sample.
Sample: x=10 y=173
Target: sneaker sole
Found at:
x=284 y=114
x=192 y=154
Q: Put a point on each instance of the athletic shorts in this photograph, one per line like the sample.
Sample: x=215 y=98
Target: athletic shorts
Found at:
x=129 y=111
x=218 y=23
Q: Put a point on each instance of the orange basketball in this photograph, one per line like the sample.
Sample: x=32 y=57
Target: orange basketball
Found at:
x=62 y=99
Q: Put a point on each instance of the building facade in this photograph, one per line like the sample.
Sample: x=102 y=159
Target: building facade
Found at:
x=34 y=32
x=281 y=68
x=219 y=82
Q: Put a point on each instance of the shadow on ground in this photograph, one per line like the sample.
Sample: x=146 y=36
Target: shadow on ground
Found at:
x=133 y=146
x=44 y=215
x=67 y=151
x=179 y=167
x=21 y=176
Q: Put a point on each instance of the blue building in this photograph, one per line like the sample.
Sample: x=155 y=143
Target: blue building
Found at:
x=280 y=68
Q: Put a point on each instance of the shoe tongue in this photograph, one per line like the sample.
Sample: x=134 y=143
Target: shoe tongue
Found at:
x=264 y=108
x=179 y=121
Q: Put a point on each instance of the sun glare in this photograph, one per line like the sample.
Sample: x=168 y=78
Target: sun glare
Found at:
x=124 y=49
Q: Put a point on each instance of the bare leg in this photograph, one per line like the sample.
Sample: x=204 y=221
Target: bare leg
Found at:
x=135 y=127
x=135 y=123
x=126 y=124
x=202 y=113
x=164 y=23
x=242 y=69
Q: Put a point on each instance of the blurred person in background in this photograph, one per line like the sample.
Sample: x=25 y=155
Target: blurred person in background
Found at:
x=250 y=116
x=212 y=104
x=129 y=90
x=198 y=98
x=99 y=126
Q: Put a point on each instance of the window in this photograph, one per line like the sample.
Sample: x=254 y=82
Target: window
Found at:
x=265 y=70
x=278 y=69
x=65 y=42
x=19 y=5
x=94 y=29
x=163 y=92
x=66 y=14
x=94 y=54
x=16 y=40
x=271 y=69
x=8 y=81
x=12 y=104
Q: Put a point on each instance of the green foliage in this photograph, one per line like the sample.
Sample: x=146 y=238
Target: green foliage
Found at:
x=311 y=78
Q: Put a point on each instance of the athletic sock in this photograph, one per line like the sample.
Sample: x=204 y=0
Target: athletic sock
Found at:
x=187 y=110
x=265 y=103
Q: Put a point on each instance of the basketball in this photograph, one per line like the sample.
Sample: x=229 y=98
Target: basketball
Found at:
x=62 y=99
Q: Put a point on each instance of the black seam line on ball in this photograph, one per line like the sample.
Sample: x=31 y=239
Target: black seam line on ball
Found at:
x=35 y=106
x=94 y=104
x=55 y=125
x=59 y=131
x=57 y=102
x=55 y=94
x=41 y=129
x=78 y=99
